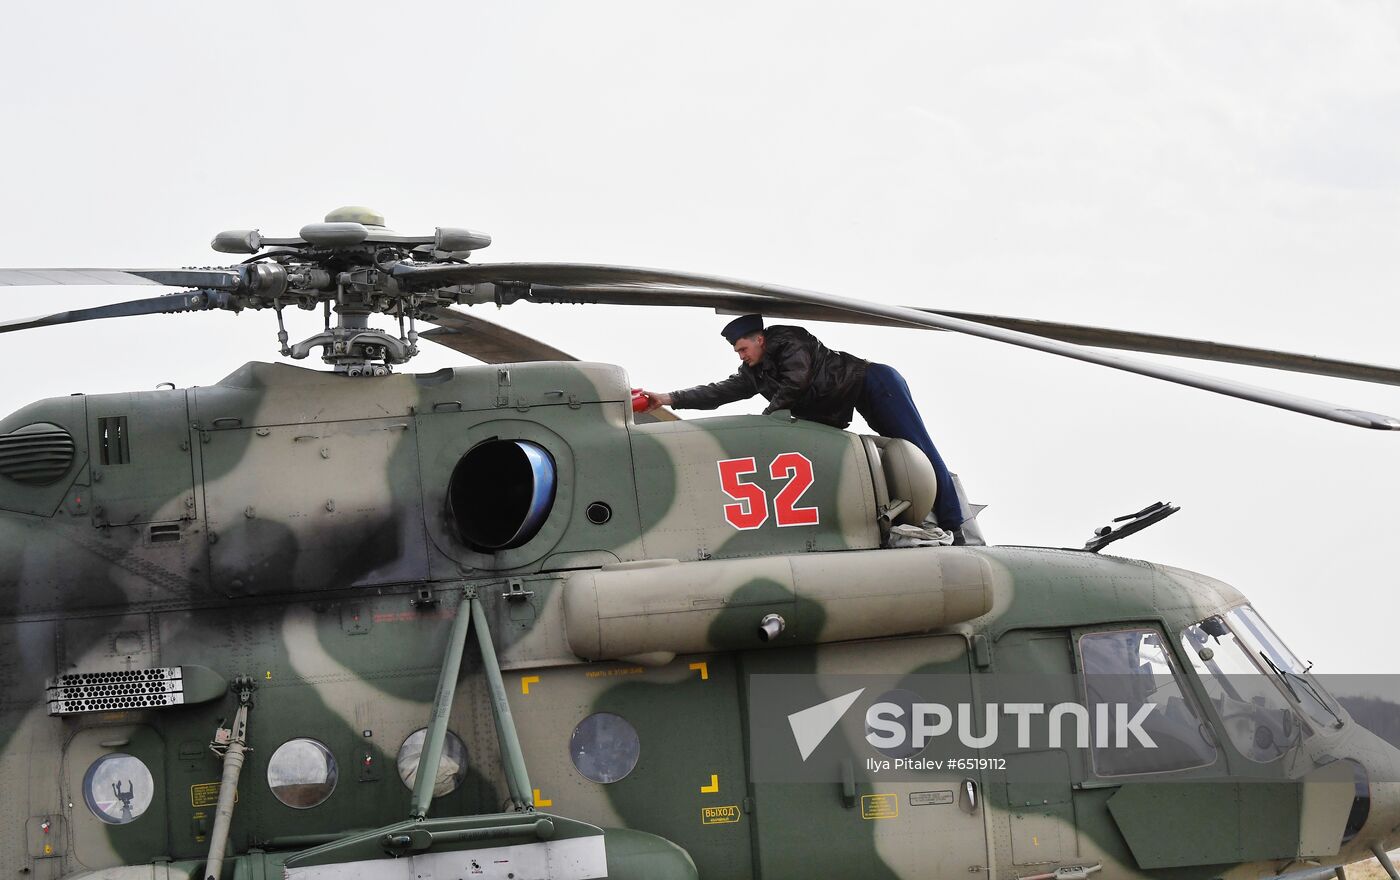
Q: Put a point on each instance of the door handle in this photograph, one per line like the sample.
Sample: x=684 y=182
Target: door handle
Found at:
x=848 y=784
x=968 y=797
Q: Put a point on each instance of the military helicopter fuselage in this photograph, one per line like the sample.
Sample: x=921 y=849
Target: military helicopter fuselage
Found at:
x=312 y=544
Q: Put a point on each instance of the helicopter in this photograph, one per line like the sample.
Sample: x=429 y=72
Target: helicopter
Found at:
x=240 y=618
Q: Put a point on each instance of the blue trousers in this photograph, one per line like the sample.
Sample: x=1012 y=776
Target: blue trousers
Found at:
x=889 y=410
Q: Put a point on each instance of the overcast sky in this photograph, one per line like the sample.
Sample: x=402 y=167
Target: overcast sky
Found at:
x=1220 y=170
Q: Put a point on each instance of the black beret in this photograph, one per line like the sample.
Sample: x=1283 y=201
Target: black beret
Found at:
x=742 y=326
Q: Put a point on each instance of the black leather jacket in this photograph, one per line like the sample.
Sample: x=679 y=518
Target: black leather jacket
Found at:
x=797 y=373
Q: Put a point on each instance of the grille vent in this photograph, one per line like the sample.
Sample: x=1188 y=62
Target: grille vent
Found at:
x=36 y=454
x=79 y=692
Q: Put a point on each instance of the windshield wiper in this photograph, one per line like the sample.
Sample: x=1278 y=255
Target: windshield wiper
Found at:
x=1284 y=675
x=1317 y=695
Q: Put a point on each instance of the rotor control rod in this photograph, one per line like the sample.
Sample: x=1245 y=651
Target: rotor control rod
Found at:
x=431 y=756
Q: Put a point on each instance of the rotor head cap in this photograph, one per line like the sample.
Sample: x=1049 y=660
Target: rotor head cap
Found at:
x=356 y=214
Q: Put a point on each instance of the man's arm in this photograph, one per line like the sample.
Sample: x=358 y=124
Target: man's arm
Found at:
x=737 y=387
x=794 y=363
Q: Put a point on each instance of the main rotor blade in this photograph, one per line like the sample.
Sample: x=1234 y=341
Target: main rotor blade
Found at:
x=491 y=343
x=1079 y=334
x=1180 y=346
x=722 y=302
x=487 y=342
x=195 y=301
x=575 y=274
x=215 y=279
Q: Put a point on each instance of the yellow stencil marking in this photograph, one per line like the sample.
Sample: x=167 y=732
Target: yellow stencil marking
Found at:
x=539 y=801
x=605 y=673
x=879 y=806
x=526 y=681
x=48 y=849
x=713 y=787
x=704 y=669
x=719 y=815
x=1035 y=841
x=268 y=675
x=206 y=794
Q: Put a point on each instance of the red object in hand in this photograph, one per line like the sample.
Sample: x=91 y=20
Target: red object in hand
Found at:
x=640 y=402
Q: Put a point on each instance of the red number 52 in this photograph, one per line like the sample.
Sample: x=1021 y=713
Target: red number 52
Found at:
x=750 y=509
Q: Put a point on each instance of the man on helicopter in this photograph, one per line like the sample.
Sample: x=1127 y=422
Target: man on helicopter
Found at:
x=793 y=370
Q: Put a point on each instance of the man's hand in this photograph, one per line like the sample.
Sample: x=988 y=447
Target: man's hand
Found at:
x=656 y=399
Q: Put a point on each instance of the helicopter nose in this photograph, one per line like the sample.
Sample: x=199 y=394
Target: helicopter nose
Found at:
x=1378 y=827
x=1378 y=834
x=1375 y=811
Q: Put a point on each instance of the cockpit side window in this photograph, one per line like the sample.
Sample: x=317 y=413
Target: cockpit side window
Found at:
x=1292 y=674
x=1128 y=675
x=1251 y=709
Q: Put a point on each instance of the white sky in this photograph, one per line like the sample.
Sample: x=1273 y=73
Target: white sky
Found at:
x=1226 y=171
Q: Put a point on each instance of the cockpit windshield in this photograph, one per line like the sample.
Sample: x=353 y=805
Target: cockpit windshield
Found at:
x=1255 y=715
x=1247 y=670
x=1294 y=675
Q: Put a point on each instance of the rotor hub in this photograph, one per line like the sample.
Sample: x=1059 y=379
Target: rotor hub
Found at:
x=346 y=265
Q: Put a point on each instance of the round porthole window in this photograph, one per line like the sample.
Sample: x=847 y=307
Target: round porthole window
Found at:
x=302 y=773
x=118 y=788
x=452 y=768
x=605 y=747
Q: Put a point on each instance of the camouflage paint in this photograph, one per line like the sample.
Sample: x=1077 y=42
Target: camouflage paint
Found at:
x=310 y=511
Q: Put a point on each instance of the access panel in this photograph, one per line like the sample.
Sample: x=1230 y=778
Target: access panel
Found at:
x=837 y=806
x=313 y=507
x=141 y=464
x=116 y=776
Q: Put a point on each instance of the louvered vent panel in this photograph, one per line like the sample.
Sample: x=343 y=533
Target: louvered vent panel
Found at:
x=37 y=454
x=78 y=692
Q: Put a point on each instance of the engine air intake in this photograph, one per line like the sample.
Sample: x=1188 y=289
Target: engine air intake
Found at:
x=501 y=493
x=37 y=454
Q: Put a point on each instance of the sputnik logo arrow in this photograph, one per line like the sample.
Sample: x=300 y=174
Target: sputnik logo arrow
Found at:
x=810 y=726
